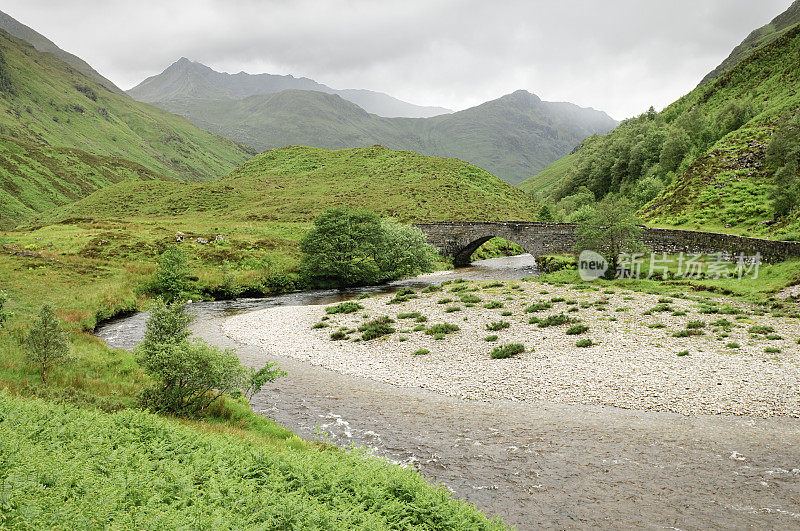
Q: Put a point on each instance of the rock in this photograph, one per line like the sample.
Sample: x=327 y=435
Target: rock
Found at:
x=219 y=238
x=179 y=236
x=202 y=241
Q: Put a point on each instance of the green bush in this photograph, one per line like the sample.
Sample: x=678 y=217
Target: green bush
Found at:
x=493 y=305
x=376 y=328
x=320 y=324
x=583 y=343
x=338 y=335
x=538 y=306
x=441 y=328
x=344 y=307
x=577 y=329
x=496 y=326
x=555 y=320
x=46 y=344
x=432 y=288
x=419 y=328
x=446 y=300
x=772 y=350
x=507 y=351
x=683 y=353
x=695 y=324
x=409 y=315
x=172 y=275
x=451 y=309
x=490 y=338
x=3 y=314
x=773 y=337
x=732 y=344
x=688 y=332
x=756 y=329
x=469 y=298
x=421 y=352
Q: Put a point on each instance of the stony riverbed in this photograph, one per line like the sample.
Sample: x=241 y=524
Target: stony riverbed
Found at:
x=636 y=361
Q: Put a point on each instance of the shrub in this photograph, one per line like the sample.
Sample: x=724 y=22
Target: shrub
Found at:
x=344 y=307
x=538 y=306
x=656 y=325
x=555 y=320
x=577 y=329
x=441 y=328
x=376 y=328
x=496 y=326
x=493 y=305
x=470 y=298
x=732 y=344
x=506 y=313
x=688 y=332
x=722 y=323
x=495 y=284
x=421 y=352
x=3 y=314
x=773 y=336
x=760 y=329
x=421 y=319
x=338 y=335
x=583 y=343
x=320 y=324
x=683 y=353
x=432 y=288
x=557 y=299
x=451 y=309
x=772 y=350
x=419 y=328
x=506 y=351
x=172 y=276
x=445 y=300
x=409 y=315
x=46 y=344
x=695 y=324
x=490 y=338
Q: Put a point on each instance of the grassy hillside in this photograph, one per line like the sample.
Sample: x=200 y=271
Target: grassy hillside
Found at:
x=294 y=184
x=35 y=178
x=758 y=38
x=701 y=162
x=511 y=137
x=44 y=100
x=67 y=467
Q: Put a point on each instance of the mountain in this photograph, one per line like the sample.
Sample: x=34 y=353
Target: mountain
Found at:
x=44 y=100
x=513 y=137
x=294 y=184
x=35 y=178
x=185 y=81
x=43 y=44
x=758 y=38
x=703 y=161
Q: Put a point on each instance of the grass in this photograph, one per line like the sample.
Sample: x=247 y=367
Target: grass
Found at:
x=507 y=351
x=552 y=320
x=409 y=315
x=490 y=338
x=538 y=307
x=83 y=468
x=344 y=307
x=493 y=305
x=376 y=328
x=577 y=329
x=496 y=326
x=442 y=328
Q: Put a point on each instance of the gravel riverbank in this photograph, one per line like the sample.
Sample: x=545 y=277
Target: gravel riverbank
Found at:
x=636 y=361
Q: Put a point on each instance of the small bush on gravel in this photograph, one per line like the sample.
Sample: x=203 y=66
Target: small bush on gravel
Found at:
x=338 y=335
x=557 y=299
x=451 y=309
x=555 y=320
x=376 y=328
x=490 y=338
x=320 y=325
x=363 y=296
x=772 y=350
x=441 y=328
x=421 y=352
x=506 y=313
x=683 y=353
x=419 y=328
x=760 y=329
x=469 y=298
x=506 y=351
x=773 y=336
x=459 y=289
x=538 y=307
x=583 y=343
x=577 y=329
x=493 y=305
x=722 y=323
x=696 y=324
x=344 y=307
x=421 y=319
x=446 y=300
x=732 y=344
x=409 y=315
x=431 y=289
x=496 y=326
x=493 y=285
x=688 y=332
x=399 y=299
x=664 y=300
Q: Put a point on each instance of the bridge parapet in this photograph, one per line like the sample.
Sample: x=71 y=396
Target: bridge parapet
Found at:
x=461 y=239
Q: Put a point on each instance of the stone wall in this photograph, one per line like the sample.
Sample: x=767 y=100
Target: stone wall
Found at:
x=461 y=239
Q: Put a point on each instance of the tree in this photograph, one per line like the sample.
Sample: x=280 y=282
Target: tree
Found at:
x=190 y=375
x=609 y=228
x=403 y=251
x=783 y=157
x=673 y=150
x=352 y=248
x=734 y=115
x=172 y=275
x=46 y=343
x=545 y=214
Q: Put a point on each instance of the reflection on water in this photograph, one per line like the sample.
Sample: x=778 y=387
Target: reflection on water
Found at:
x=126 y=332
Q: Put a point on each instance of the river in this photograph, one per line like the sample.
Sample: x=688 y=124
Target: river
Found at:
x=533 y=464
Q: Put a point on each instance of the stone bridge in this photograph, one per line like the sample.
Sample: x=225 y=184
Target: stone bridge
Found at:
x=461 y=239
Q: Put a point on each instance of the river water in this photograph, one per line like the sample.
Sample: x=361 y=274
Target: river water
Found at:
x=533 y=464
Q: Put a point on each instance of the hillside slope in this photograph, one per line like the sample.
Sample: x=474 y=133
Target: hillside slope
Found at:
x=185 y=81
x=758 y=38
x=294 y=184
x=46 y=101
x=701 y=162
x=35 y=178
x=512 y=137
x=43 y=44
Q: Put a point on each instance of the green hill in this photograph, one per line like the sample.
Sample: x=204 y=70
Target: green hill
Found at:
x=512 y=137
x=758 y=38
x=701 y=162
x=294 y=184
x=46 y=101
x=35 y=178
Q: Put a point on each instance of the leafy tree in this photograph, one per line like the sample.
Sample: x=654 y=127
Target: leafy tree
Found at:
x=783 y=157
x=545 y=214
x=734 y=115
x=352 y=248
x=172 y=275
x=229 y=288
x=190 y=374
x=403 y=251
x=46 y=343
x=675 y=147
x=610 y=228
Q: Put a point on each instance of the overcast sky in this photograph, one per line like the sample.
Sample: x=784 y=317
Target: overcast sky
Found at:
x=620 y=56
